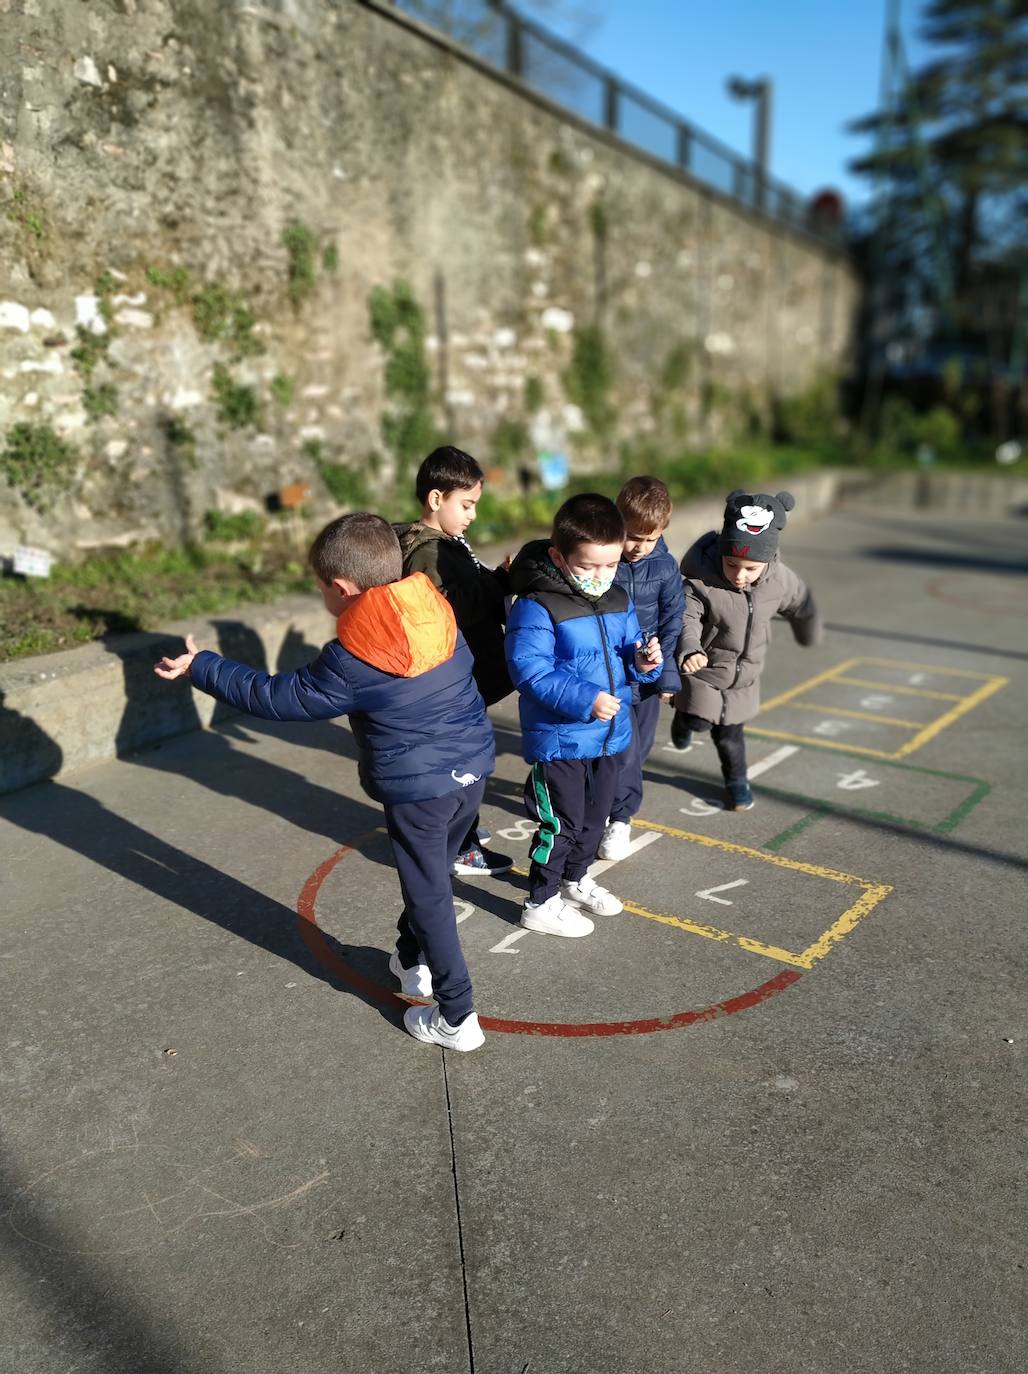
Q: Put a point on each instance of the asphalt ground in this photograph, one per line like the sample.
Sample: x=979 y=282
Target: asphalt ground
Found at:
x=769 y=1118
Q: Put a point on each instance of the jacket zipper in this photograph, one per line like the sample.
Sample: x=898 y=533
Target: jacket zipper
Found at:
x=745 y=647
x=610 y=671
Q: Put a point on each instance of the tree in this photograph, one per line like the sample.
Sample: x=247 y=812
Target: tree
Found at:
x=950 y=160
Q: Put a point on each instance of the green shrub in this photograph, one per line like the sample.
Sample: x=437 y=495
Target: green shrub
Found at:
x=222 y=314
x=300 y=242
x=237 y=405
x=173 y=279
x=98 y=401
x=282 y=389
x=37 y=463
x=347 y=486
x=903 y=430
x=398 y=325
x=589 y=378
x=810 y=415
x=223 y=528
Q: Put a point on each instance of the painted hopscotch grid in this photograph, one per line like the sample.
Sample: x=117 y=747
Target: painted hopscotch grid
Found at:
x=860 y=673
x=871 y=894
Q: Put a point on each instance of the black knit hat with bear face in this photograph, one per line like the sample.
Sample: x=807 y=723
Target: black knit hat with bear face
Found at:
x=752 y=522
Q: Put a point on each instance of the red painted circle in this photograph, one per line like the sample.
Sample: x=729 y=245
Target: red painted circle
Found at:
x=315 y=941
x=942 y=589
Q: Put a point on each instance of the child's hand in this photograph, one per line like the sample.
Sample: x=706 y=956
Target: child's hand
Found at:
x=667 y=696
x=694 y=663
x=506 y=563
x=650 y=657
x=606 y=707
x=171 y=668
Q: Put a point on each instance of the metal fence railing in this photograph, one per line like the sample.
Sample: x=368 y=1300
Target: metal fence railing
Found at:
x=504 y=38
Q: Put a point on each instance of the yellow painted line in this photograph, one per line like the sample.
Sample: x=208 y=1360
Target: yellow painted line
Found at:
x=856 y=715
x=986 y=690
x=906 y=691
x=834 y=875
x=821 y=743
x=918 y=668
x=810 y=682
x=872 y=894
x=782 y=956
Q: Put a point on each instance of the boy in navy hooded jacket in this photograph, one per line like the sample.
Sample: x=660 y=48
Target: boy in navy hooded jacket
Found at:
x=401 y=671
x=574 y=649
x=652 y=578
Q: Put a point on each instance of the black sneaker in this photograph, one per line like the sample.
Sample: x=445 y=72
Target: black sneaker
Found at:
x=738 y=796
x=681 y=735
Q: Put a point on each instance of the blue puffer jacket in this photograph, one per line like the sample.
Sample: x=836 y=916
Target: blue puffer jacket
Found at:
x=655 y=587
x=402 y=673
x=562 y=649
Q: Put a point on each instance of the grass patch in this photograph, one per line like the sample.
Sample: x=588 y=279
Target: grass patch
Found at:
x=116 y=594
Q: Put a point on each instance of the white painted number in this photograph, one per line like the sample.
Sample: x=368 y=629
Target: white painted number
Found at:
x=708 y=893
x=853 y=782
x=916 y=679
x=875 y=702
x=699 y=807
x=504 y=945
x=831 y=727
x=520 y=830
x=463 y=909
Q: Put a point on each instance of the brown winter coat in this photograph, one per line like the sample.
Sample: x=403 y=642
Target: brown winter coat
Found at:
x=733 y=629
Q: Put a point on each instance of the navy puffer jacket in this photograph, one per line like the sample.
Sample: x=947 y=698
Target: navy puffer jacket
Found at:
x=563 y=648
x=654 y=586
x=402 y=673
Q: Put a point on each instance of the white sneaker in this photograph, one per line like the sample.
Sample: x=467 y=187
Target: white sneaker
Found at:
x=588 y=893
x=427 y=1024
x=552 y=917
x=414 y=982
x=616 y=839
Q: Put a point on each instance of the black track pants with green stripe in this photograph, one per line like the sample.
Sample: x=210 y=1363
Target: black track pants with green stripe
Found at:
x=571 y=800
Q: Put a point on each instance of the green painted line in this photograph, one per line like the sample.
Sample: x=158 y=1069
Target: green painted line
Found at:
x=961 y=813
x=779 y=841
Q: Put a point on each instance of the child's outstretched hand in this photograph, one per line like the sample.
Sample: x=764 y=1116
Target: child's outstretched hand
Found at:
x=694 y=663
x=650 y=656
x=171 y=668
x=606 y=707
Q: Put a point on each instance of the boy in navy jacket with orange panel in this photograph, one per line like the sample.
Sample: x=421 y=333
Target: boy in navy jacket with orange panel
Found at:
x=401 y=671
x=574 y=650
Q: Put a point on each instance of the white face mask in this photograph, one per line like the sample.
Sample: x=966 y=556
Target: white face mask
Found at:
x=593 y=586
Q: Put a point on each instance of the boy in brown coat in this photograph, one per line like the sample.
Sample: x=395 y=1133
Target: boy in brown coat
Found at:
x=734 y=585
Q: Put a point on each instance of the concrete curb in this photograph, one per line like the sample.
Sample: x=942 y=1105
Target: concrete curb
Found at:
x=63 y=712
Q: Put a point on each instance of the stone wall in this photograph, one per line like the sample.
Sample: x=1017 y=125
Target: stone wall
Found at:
x=207 y=209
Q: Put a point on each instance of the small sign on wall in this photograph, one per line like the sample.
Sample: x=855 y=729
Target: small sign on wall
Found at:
x=32 y=562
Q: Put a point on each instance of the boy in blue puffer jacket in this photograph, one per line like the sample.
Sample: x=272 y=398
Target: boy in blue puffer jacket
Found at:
x=653 y=580
x=401 y=671
x=573 y=648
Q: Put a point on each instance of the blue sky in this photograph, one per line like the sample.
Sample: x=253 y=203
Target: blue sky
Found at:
x=823 y=56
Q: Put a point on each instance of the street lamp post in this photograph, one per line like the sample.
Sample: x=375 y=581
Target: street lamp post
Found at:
x=760 y=91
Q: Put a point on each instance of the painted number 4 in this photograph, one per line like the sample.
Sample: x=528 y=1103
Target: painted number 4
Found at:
x=853 y=782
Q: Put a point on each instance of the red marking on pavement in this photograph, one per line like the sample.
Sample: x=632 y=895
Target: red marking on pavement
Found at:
x=315 y=941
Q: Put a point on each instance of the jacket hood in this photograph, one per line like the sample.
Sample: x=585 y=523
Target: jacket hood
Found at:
x=405 y=628
x=703 y=561
x=413 y=534
x=535 y=571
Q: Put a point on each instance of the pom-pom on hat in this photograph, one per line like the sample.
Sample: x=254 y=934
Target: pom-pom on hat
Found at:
x=752 y=522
